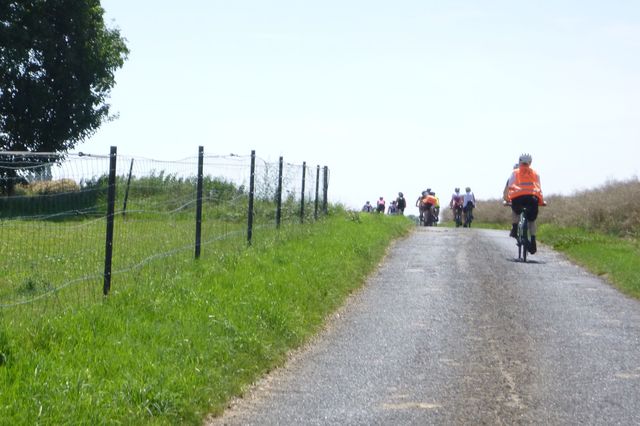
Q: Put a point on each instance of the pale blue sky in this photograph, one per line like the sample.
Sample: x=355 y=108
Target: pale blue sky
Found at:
x=392 y=96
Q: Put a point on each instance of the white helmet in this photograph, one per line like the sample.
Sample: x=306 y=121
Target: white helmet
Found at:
x=525 y=158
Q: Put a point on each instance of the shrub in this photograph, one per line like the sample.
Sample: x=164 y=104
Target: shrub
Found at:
x=47 y=187
x=613 y=208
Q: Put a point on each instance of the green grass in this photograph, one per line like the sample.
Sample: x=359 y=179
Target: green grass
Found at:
x=38 y=256
x=175 y=340
x=612 y=257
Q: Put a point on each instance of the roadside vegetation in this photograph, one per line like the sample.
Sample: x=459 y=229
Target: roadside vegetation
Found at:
x=176 y=338
x=170 y=345
x=598 y=229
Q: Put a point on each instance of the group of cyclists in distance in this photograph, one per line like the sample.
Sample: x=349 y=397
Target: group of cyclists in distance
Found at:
x=397 y=206
x=462 y=206
x=522 y=192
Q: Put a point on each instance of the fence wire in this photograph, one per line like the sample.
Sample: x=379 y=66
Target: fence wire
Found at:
x=53 y=212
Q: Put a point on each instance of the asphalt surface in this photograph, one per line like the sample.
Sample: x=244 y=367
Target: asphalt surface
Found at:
x=452 y=330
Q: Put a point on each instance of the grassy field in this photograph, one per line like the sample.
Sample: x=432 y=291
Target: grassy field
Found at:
x=38 y=257
x=175 y=340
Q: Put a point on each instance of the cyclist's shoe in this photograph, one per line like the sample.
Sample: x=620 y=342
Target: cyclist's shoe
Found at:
x=514 y=230
x=532 y=245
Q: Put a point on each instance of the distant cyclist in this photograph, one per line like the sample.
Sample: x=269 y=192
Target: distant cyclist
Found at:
x=401 y=203
x=456 y=206
x=426 y=204
x=523 y=190
x=468 y=204
x=393 y=208
x=423 y=194
x=436 y=208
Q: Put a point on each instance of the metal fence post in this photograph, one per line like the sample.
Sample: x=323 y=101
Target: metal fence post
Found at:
x=251 y=194
x=304 y=173
x=316 y=201
x=199 y=202
x=111 y=201
x=325 y=187
x=279 y=195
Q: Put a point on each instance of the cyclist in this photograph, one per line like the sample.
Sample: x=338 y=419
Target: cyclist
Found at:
x=468 y=204
x=436 y=208
x=523 y=190
x=456 y=205
x=425 y=203
x=423 y=194
x=401 y=203
x=380 y=205
x=393 y=208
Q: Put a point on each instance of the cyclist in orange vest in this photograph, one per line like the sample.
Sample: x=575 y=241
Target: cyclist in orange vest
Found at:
x=426 y=202
x=523 y=190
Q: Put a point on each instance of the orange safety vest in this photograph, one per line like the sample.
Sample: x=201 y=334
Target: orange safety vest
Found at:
x=429 y=199
x=526 y=182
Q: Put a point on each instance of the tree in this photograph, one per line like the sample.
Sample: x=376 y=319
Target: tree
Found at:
x=57 y=65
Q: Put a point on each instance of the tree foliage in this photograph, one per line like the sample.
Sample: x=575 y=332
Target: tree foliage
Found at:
x=57 y=65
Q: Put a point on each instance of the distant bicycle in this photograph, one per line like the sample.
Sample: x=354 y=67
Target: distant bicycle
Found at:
x=427 y=218
x=468 y=215
x=457 y=215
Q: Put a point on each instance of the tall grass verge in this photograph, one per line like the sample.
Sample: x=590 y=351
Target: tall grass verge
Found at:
x=170 y=345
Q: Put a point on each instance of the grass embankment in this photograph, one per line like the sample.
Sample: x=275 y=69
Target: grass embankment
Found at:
x=171 y=348
x=598 y=229
x=616 y=259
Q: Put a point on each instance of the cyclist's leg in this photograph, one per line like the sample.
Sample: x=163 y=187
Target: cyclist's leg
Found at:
x=524 y=238
x=516 y=209
x=532 y=237
x=532 y=215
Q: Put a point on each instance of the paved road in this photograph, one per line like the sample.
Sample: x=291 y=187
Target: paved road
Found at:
x=451 y=330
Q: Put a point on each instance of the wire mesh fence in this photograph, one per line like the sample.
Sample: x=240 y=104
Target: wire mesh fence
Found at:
x=57 y=214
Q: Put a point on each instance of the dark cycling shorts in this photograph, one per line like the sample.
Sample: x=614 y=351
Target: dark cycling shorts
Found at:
x=528 y=201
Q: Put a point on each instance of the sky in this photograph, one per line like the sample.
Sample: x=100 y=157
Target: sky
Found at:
x=390 y=95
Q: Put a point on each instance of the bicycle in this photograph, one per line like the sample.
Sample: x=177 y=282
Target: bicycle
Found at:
x=427 y=217
x=522 y=234
x=468 y=215
x=457 y=215
x=522 y=238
